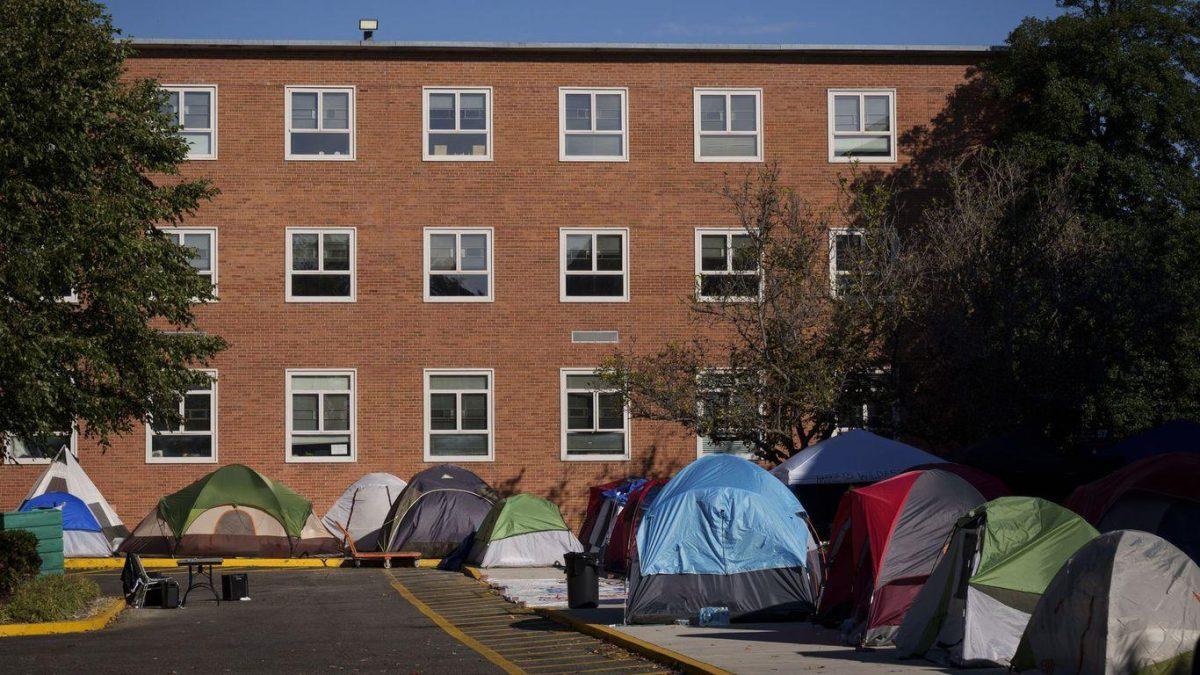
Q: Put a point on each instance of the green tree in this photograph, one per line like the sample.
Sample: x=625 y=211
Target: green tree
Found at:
x=86 y=179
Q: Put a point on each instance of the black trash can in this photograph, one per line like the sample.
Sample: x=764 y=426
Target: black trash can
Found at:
x=583 y=580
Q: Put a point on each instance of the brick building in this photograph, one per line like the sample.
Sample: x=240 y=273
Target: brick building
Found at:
x=420 y=249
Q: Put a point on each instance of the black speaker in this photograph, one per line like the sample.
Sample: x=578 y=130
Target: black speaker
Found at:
x=235 y=586
x=163 y=595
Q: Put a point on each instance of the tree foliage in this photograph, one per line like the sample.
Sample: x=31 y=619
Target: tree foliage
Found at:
x=86 y=165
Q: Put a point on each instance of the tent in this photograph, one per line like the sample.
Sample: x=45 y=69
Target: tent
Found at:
x=438 y=508
x=1157 y=494
x=1174 y=436
x=1001 y=556
x=605 y=502
x=723 y=533
x=1127 y=602
x=64 y=474
x=362 y=507
x=887 y=537
x=622 y=543
x=233 y=511
x=522 y=531
x=82 y=534
x=821 y=473
x=1028 y=462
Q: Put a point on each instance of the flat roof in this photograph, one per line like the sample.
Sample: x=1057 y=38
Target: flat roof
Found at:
x=611 y=47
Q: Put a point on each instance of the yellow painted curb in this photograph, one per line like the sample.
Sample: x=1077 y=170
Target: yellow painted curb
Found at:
x=473 y=572
x=428 y=562
x=100 y=620
x=75 y=564
x=626 y=641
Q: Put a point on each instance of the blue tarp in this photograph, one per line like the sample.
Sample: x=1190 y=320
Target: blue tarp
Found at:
x=722 y=515
x=76 y=515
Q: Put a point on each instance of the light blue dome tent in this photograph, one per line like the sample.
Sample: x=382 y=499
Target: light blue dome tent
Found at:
x=722 y=533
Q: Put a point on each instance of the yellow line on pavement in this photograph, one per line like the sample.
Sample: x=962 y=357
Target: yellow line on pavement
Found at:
x=484 y=651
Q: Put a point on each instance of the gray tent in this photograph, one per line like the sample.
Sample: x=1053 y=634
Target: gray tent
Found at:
x=361 y=509
x=1126 y=602
x=438 y=509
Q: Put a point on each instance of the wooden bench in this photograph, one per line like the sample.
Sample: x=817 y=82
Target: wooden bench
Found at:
x=386 y=556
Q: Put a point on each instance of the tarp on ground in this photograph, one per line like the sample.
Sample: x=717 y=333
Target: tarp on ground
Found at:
x=437 y=510
x=523 y=531
x=64 y=474
x=82 y=535
x=856 y=456
x=362 y=508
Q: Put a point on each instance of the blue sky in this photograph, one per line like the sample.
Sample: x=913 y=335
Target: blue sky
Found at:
x=708 y=21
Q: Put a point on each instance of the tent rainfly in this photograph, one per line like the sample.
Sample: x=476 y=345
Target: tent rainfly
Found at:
x=1001 y=556
x=362 y=507
x=1174 y=436
x=82 y=535
x=523 y=531
x=64 y=474
x=438 y=509
x=622 y=542
x=1124 y=603
x=605 y=502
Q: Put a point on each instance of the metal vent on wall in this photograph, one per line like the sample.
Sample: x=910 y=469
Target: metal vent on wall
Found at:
x=595 y=336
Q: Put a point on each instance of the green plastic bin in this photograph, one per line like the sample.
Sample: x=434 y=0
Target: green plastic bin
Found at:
x=47 y=526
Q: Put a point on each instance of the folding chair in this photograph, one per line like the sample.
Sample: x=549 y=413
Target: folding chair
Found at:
x=136 y=583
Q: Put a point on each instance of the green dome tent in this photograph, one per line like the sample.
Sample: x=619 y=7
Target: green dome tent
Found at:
x=234 y=510
x=1000 y=558
x=522 y=531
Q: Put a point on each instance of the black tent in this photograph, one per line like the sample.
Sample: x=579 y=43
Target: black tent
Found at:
x=438 y=508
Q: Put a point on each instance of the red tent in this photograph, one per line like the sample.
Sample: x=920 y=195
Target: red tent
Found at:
x=595 y=509
x=622 y=545
x=886 y=539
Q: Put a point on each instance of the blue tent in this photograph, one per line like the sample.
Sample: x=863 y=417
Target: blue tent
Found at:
x=1174 y=436
x=82 y=534
x=722 y=533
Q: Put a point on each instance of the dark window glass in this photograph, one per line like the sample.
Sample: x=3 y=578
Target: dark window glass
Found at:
x=443 y=412
x=579 y=411
x=595 y=285
x=579 y=252
x=458 y=285
x=321 y=285
x=729 y=285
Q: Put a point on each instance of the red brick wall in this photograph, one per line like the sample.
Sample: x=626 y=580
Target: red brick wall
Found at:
x=526 y=194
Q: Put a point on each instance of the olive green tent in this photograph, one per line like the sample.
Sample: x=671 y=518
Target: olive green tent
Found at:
x=522 y=531
x=999 y=560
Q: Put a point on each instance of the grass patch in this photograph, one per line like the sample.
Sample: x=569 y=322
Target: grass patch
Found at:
x=54 y=597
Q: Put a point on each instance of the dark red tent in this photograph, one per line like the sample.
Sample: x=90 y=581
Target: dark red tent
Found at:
x=886 y=539
x=589 y=535
x=622 y=545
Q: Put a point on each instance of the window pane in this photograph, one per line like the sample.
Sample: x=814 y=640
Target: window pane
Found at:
x=304 y=110
x=594 y=145
x=458 y=285
x=847 y=249
x=862 y=146
x=196 y=110
x=608 y=112
x=336 y=110
x=41 y=447
x=712 y=112
x=317 y=144
x=474 y=412
x=197 y=412
x=304 y=412
x=877 y=116
x=595 y=285
x=304 y=251
x=608 y=252
x=474 y=252
x=729 y=285
x=742 y=113
x=579 y=252
x=171 y=107
x=454 y=445
x=579 y=411
x=712 y=252
x=457 y=382
x=337 y=252
x=473 y=111
x=443 y=412
x=441 y=111
x=198 y=143
x=578 y=112
x=199 y=245
x=744 y=257
x=604 y=443
x=588 y=382
x=325 y=445
x=728 y=146
x=181 y=446
x=441 y=252
x=337 y=412
x=612 y=411
x=321 y=285
x=845 y=113
x=458 y=144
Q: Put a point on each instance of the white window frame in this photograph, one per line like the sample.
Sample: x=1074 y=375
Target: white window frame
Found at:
x=178 y=232
x=352 y=432
x=563 y=232
x=491 y=412
x=320 y=90
x=701 y=232
x=425 y=130
x=563 y=414
x=458 y=232
x=562 y=124
x=834 y=274
x=891 y=133
x=10 y=458
x=288 y=271
x=213 y=432
x=211 y=89
x=759 y=132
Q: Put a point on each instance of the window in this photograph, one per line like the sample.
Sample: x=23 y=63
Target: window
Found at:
x=195 y=438
x=595 y=423
x=715 y=395
x=320 y=123
x=726 y=266
x=194 y=109
x=861 y=126
x=594 y=264
x=458 y=124
x=458 y=415
x=458 y=265
x=40 y=449
x=320 y=265
x=592 y=125
x=728 y=125
x=203 y=245
x=844 y=248
x=320 y=416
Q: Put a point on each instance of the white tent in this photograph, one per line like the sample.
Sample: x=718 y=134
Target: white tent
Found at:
x=64 y=474
x=362 y=509
x=856 y=456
